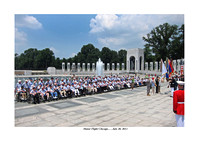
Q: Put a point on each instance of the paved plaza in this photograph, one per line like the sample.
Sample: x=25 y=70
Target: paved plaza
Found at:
x=123 y=108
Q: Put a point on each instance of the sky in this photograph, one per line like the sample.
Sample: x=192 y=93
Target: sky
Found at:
x=65 y=34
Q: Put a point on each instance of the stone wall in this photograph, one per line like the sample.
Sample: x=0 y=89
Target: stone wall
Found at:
x=112 y=68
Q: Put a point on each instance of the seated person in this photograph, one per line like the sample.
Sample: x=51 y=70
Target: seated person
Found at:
x=44 y=93
x=35 y=94
x=62 y=90
x=52 y=92
x=21 y=92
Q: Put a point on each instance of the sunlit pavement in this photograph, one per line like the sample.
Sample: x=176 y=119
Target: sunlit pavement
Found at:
x=123 y=108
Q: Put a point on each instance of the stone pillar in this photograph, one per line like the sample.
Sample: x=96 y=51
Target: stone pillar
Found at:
x=63 y=67
x=159 y=66
x=146 y=66
x=51 y=70
x=178 y=66
x=113 y=66
x=73 y=67
x=174 y=65
x=136 y=65
x=93 y=67
x=151 y=66
x=68 y=67
x=83 y=67
x=108 y=67
x=122 y=66
x=117 y=66
x=103 y=67
x=128 y=66
x=156 y=66
x=88 y=67
x=78 y=67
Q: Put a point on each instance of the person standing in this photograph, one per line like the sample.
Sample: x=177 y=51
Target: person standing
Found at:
x=148 y=86
x=132 y=83
x=172 y=85
x=153 y=84
x=178 y=104
x=157 y=83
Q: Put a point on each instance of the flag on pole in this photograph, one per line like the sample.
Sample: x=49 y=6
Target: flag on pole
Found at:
x=164 y=70
x=170 y=69
x=171 y=66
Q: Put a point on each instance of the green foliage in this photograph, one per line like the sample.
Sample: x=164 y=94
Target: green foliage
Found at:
x=164 y=41
x=33 y=59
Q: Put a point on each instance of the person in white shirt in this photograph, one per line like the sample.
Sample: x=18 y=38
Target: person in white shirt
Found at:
x=35 y=94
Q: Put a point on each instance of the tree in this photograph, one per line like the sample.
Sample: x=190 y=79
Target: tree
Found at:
x=33 y=59
x=161 y=42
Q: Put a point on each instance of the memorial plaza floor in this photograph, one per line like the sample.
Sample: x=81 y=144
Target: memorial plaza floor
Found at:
x=123 y=108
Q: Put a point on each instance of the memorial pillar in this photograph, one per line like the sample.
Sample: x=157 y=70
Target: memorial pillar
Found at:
x=178 y=66
x=113 y=66
x=88 y=67
x=117 y=66
x=63 y=67
x=73 y=67
x=151 y=66
x=156 y=66
x=83 y=67
x=108 y=67
x=68 y=67
x=146 y=66
x=103 y=67
x=78 y=67
x=174 y=65
x=122 y=66
x=93 y=67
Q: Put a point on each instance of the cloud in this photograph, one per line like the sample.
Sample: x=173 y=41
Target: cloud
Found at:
x=127 y=30
x=20 y=40
x=72 y=55
x=20 y=36
x=27 y=22
x=55 y=51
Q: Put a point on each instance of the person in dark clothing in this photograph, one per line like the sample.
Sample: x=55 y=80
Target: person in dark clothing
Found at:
x=148 y=83
x=172 y=85
x=157 y=83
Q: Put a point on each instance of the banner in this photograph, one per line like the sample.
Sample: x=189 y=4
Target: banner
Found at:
x=164 y=70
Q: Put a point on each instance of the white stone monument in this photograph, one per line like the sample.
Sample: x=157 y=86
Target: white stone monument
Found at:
x=113 y=66
x=78 y=67
x=123 y=67
x=146 y=66
x=93 y=67
x=68 y=67
x=51 y=70
x=88 y=67
x=135 y=57
x=156 y=66
x=108 y=67
x=63 y=67
x=83 y=67
x=117 y=66
x=151 y=66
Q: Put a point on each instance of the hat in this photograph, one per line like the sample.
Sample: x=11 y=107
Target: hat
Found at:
x=19 y=80
x=180 y=82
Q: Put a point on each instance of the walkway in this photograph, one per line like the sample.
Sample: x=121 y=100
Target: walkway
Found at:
x=124 y=108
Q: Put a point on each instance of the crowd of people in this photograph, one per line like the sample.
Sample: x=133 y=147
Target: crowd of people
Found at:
x=54 y=89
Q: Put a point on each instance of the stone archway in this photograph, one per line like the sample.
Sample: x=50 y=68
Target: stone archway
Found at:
x=135 y=60
x=132 y=63
x=140 y=63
